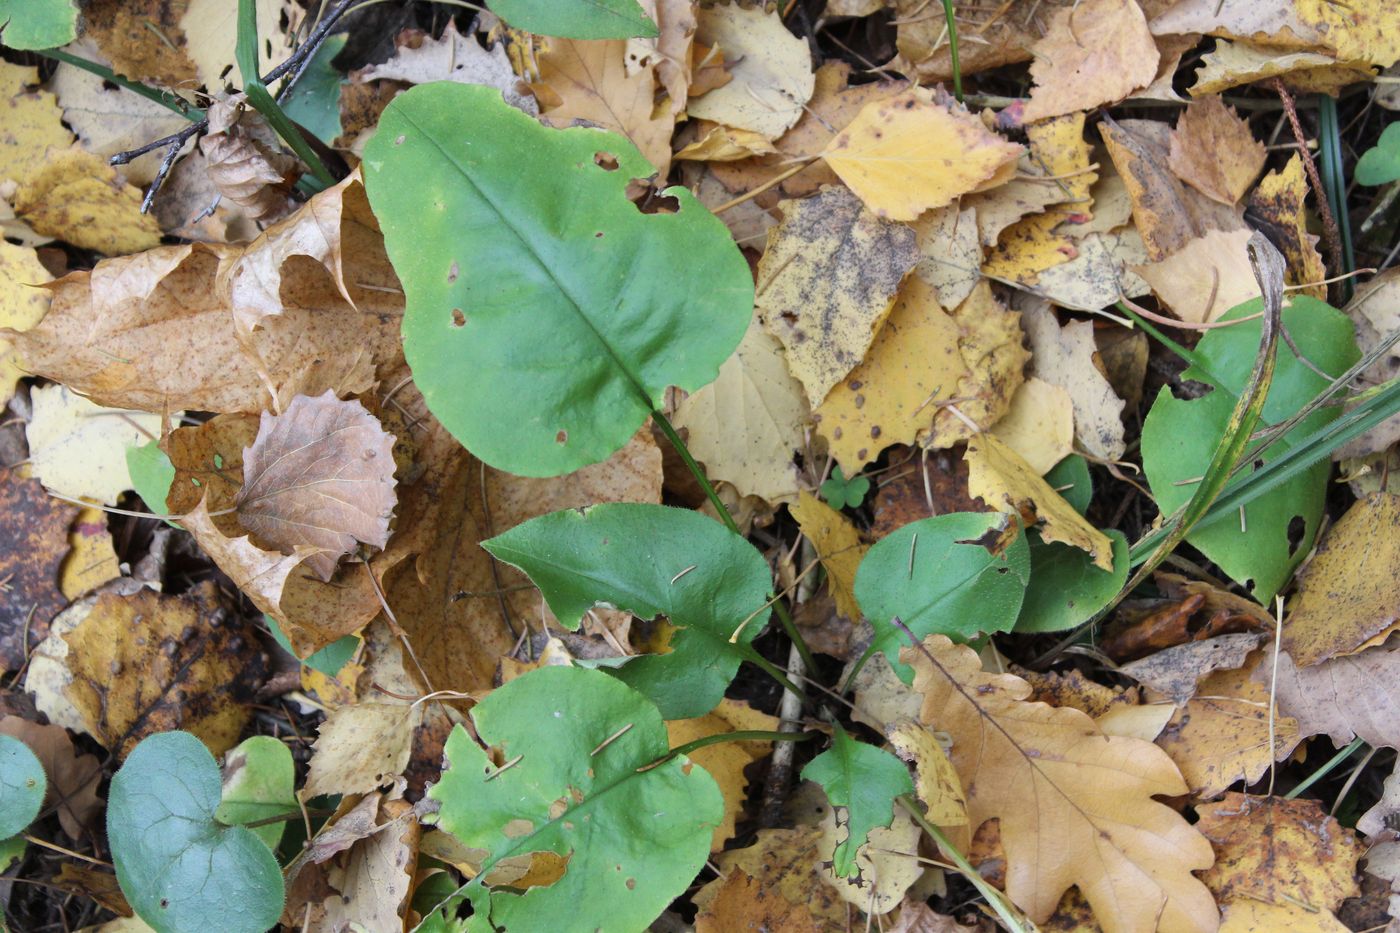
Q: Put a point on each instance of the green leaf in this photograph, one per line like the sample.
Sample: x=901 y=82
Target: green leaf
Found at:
x=839 y=492
x=152 y=473
x=329 y=660
x=1070 y=478
x=1066 y=588
x=314 y=101
x=39 y=24
x=22 y=786
x=259 y=783
x=11 y=851
x=577 y=19
x=864 y=780
x=651 y=560
x=545 y=314
x=179 y=868
x=935 y=577
x=1179 y=437
x=573 y=747
x=1380 y=165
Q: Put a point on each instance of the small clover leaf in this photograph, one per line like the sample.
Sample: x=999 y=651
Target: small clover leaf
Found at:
x=840 y=492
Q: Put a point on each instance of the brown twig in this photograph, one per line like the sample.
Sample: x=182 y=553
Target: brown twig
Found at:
x=1324 y=207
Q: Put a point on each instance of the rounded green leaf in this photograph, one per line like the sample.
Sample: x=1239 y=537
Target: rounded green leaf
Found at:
x=1179 y=437
x=1070 y=478
x=152 y=474
x=864 y=780
x=577 y=19
x=1380 y=164
x=259 y=783
x=1066 y=588
x=22 y=786
x=570 y=743
x=651 y=560
x=179 y=868
x=545 y=314
x=38 y=24
x=938 y=576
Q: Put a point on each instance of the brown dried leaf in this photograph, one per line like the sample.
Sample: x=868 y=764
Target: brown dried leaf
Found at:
x=1356 y=695
x=142 y=39
x=149 y=662
x=319 y=475
x=1028 y=766
x=30 y=555
x=1277 y=206
x=1176 y=671
x=420 y=59
x=208 y=461
x=904 y=494
x=245 y=160
x=361 y=748
x=1095 y=52
x=1213 y=150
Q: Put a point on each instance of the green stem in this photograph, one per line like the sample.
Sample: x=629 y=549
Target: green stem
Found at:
x=1187 y=355
x=784 y=616
x=263 y=102
x=751 y=735
x=1326 y=769
x=950 y=18
x=772 y=670
x=1334 y=180
x=183 y=107
x=998 y=900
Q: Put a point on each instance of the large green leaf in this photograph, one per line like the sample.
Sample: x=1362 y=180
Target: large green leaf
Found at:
x=651 y=560
x=577 y=19
x=259 y=784
x=937 y=576
x=864 y=780
x=1066 y=587
x=1180 y=435
x=572 y=746
x=546 y=315
x=38 y=24
x=314 y=101
x=22 y=786
x=180 y=869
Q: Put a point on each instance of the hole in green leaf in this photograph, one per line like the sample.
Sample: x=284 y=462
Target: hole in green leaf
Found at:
x=458 y=318
x=604 y=160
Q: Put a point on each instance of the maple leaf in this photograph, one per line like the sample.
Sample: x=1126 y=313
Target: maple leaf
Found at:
x=1030 y=766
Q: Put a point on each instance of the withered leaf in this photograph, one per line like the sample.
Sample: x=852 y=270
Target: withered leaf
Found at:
x=150 y=662
x=30 y=555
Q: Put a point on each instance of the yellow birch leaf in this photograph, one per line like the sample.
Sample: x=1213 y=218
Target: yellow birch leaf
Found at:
x=1206 y=277
x=907 y=154
x=1075 y=806
x=1005 y=481
x=936 y=781
x=77 y=197
x=1039 y=425
x=21 y=306
x=718 y=143
x=1065 y=356
x=890 y=397
x=1232 y=64
x=79 y=449
x=990 y=342
x=1214 y=151
x=838 y=547
x=771 y=69
x=1032 y=245
x=746 y=424
x=1279 y=203
x=32 y=125
x=827 y=280
x=1246 y=915
x=1361 y=32
x=1095 y=52
x=951 y=252
x=1100 y=273
x=92 y=560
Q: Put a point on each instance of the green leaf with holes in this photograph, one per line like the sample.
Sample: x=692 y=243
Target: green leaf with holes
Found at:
x=577 y=19
x=22 y=786
x=569 y=775
x=652 y=560
x=179 y=867
x=1180 y=435
x=38 y=24
x=958 y=575
x=863 y=782
x=546 y=314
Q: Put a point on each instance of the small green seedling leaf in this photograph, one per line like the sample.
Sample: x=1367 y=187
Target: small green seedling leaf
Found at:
x=1070 y=478
x=180 y=868
x=864 y=780
x=259 y=783
x=152 y=474
x=652 y=560
x=577 y=19
x=545 y=314
x=1066 y=588
x=1380 y=165
x=571 y=774
x=840 y=492
x=329 y=660
x=39 y=24
x=314 y=101
x=941 y=575
x=22 y=786
x=1180 y=436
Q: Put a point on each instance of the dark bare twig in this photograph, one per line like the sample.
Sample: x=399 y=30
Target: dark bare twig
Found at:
x=1324 y=207
x=176 y=141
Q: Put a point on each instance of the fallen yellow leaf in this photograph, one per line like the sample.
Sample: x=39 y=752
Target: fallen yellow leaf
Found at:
x=1206 y=277
x=21 y=306
x=33 y=123
x=771 y=68
x=1214 y=151
x=92 y=560
x=838 y=547
x=79 y=449
x=1039 y=425
x=1095 y=52
x=990 y=342
x=1279 y=202
x=77 y=197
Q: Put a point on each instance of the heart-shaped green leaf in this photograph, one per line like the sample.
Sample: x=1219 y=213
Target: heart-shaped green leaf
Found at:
x=1380 y=165
x=546 y=314
x=22 y=786
x=864 y=780
x=942 y=575
x=1066 y=588
x=259 y=783
x=179 y=868
x=651 y=560
x=573 y=747
x=1180 y=435
x=577 y=19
